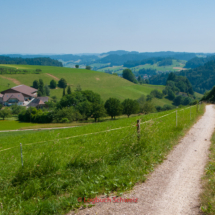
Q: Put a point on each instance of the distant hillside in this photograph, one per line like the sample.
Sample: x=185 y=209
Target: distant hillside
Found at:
x=202 y=78
x=44 y=61
x=114 y=58
x=151 y=61
x=117 y=60
x=198 y=61
x=104 y=84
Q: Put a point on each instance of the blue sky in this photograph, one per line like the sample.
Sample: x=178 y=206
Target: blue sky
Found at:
x=96 y=26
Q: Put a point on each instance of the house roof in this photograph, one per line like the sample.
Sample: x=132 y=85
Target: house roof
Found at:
x=26 y=90
x=17 y=96
x=38 y=101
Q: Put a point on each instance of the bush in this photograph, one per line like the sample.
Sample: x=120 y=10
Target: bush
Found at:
x=157 y=94
x=17 y=109
x=64 y=120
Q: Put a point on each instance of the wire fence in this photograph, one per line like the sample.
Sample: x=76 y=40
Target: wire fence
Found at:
x=109 y=130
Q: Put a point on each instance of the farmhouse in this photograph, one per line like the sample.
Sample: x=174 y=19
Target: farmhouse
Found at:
x=38 y=102
x=20 y=95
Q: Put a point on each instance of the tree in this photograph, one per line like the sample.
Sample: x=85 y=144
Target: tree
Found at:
x=38 y=71
x=5 y=113
x=88 y=67
x=76 y=66
x=85 y=109
x=170 y=95
x=147 y=81
x=157 y=94
x=98 y=110
x=78 y=88
x=148 y=107
x=62 y=83
x=69 y=90
x=113 y=107
x=64 y=93
x=128 y=75
x=36 y=84
x=187 y=101
x=41 y=87
x=149 y=97
x=47 y=90
x=53 y=84
x=178 y=100
x=16 y=109
x=130 y=107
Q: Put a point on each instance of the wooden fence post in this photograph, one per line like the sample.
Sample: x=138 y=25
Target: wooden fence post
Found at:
x=21 y=153
x=138 y=129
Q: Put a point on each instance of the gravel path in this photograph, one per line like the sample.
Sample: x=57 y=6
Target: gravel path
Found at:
x=174 y=187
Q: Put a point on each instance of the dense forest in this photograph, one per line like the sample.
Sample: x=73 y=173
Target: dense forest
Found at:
x=202 y=78
x=159 y=79
x=151 y=61
x=43 y=61
x=198 y=61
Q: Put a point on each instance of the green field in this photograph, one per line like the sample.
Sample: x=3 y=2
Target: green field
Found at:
x=104 y=84
x=62 y=165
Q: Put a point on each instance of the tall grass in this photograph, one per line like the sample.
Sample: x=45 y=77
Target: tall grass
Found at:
x=208 y=195
x=59 y=168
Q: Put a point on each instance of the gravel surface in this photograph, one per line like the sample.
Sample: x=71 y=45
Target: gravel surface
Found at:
x=174 y=187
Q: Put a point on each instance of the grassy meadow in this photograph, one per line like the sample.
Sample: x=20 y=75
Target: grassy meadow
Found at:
x=62 y=165
x=104 y=84
x=208 y=195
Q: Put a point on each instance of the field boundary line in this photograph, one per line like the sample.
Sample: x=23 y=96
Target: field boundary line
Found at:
x=65 y=138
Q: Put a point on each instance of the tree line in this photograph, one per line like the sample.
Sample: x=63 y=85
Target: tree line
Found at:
x=18 y=71
x=161 y=62
x=84 y=104
x=43 y=61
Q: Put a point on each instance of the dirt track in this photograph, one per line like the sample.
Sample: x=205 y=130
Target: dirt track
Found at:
x=11 y=79
x=57 y=79
x=174 y=187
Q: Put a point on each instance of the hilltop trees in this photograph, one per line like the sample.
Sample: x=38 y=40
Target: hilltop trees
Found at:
x=76 y=66
x=113 y=107
x=128 y=75
x=88 y=67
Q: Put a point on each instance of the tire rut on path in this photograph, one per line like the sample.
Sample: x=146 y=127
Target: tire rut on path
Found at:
x=174 y=187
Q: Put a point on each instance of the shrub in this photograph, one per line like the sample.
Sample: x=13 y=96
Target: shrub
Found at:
x=64 y=120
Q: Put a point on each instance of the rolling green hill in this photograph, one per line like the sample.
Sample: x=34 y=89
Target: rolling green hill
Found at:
x=105 y=84
x=176 y=66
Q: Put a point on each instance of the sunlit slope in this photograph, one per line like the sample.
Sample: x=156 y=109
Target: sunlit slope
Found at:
x=105 y=84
